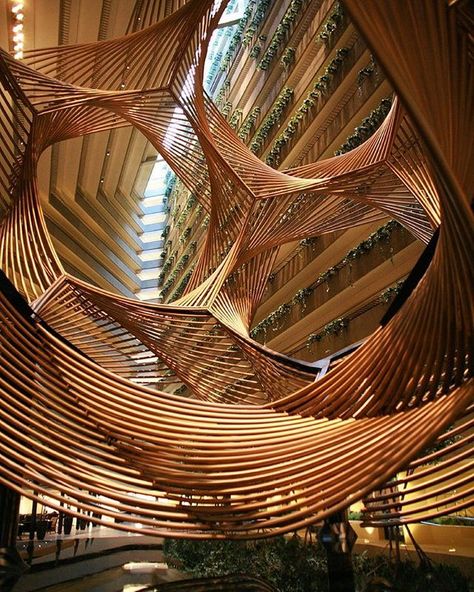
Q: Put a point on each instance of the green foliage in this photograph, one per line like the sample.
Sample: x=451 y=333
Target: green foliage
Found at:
x=390 y=292
x=286 y=563
x=222 y=93
x=225 y=110
x=249 y=123
x=184 y=237
x=292 y=566
x=366 y=72
x=192 y=200
x=331 y=24
x=235 y=118
x=368 y=127
x=333 y=328
x=181 y=264
x=235 y=42
x=288 y=57
x=406 y=576
x=255 y=51
x=181 y=286
x=255 y=23
x=452 y=520
x=381 y=234
x=443 y=441
x=272 y=118
x=301 y=297
x=180 y=390
x=321 y=85
x=281 y=33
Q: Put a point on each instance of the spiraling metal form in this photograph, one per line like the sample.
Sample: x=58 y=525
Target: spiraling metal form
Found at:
x=262 y=448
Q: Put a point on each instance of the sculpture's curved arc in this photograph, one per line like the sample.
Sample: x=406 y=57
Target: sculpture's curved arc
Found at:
x=196 y=468
x=199 y=347
x=256 y=459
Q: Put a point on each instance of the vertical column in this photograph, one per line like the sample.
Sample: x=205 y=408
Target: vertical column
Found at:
x=338 y=537
x=11 y=564
x=9 y=508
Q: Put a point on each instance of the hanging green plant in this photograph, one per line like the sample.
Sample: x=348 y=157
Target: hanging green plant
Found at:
x=248 y=123
x=235 y=118
x=255 y=51
x=281 y=32
x=226 y=108
x=301 y=297
x=331 y=24
x=272 y=118
x=235 y=42
x=184 y=237
x=255 y=23
x=288 y=57
x=366 y=72
x=222 y=93
x=321 y=85
x=181 y=286
x=388 y=294
x=367 y=128
x=333 y=328
x=180 y=390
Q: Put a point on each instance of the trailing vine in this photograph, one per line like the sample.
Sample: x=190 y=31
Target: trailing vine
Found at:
x=321 y=85
x=255 y=51
x=331 y=24
x=180 y=390
x=235 y=42
x=388 y=294
x=174 y=274
x=333 y=328
x=302 y=296
x=249 y=123
x=288 y=57
x=369 y=126
x=235 y=118
x=191 y=202
x=257 y=20
x=184 y=237
x=280 y=34
x=226 y=108
x=366 y=72
x=383 y=233
x=338 y=325
x=181 y=286
x=272 y=118
x=170 y=180
x=222 y=93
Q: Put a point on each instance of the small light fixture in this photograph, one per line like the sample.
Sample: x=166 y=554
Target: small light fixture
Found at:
x=17 y=28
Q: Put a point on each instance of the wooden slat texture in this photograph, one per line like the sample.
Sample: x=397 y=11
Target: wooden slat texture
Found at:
x=265 y=444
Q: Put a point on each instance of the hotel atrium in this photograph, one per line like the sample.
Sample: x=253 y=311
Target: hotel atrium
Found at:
x=235 y=284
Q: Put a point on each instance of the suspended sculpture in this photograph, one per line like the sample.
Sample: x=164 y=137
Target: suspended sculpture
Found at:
x=262 y=447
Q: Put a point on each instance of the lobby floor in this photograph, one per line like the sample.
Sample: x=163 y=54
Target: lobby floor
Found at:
x=97 y=559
